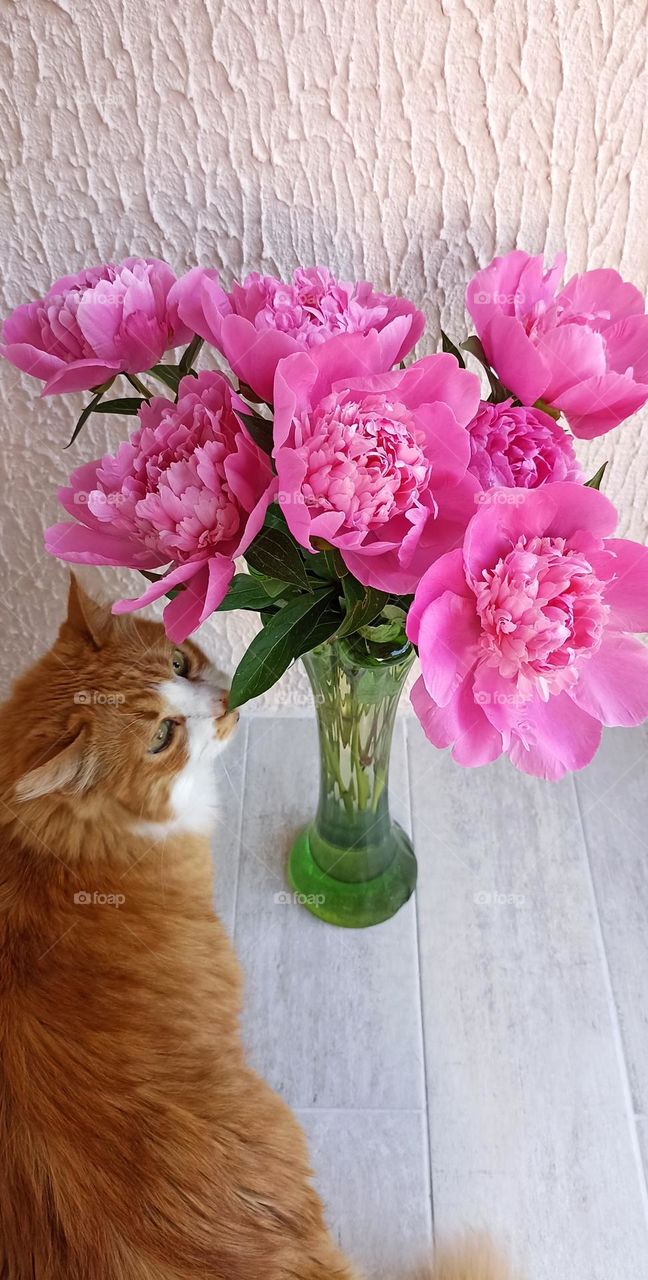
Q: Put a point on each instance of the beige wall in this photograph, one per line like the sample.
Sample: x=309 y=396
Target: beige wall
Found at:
x=404 y=141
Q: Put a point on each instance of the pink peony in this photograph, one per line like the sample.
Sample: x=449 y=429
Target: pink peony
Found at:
x=519 y=447
x=188 y=489
x=375 y=463
x=522 y=633
x=583 y=348
x=88 y=327
x=263 y=319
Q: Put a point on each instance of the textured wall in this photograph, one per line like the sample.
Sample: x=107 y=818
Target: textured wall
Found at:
x=404 y=140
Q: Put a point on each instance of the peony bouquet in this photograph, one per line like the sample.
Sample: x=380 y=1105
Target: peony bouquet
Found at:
x=376 y=498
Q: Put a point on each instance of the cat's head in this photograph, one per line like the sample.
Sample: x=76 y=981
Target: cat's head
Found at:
x=116 y=719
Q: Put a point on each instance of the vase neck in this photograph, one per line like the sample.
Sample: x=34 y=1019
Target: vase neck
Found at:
x=356 y=703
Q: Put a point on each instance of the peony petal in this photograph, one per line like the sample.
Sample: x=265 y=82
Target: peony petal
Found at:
x=292 y=393
x=600 y=294
x=181 y=574
x=27 y=358
x=515 y=359
x=182 y=615
x=254 y=522
x=626 y=347
x=383 y=572
x=572 y=352
x=393 y=338
x=563 y=509
x=448 y=639
x=492 y=290
x=447 y=445
x=345 y=357
x=254 y=353
x=79 y=544
x=627 y=591
x=613 y=682
x=201 y=596
x=461 y=724
x=596 y=406
x=447 y=574
x=439 y=380
x=554 y=737
x=198 y=299
x=81 y=375
x=417 y=325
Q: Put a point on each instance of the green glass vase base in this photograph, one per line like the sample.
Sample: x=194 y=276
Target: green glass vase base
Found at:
x=352 y=904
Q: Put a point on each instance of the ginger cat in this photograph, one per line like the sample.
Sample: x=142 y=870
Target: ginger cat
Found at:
x=135 y=1143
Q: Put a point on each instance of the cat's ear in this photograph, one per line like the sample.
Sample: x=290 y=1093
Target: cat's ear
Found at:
x=69 y=771
x=90 y=620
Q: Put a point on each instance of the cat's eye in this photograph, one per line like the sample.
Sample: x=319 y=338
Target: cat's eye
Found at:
x=180 y=663
x=162 y=736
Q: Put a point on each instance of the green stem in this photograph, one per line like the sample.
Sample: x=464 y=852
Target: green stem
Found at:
x=190 y=353
x=139 y=386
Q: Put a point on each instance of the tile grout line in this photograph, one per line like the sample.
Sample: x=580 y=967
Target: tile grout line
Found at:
x=428 y=1143
x=617 y=1034
x=246 y=753
x=357 y=1111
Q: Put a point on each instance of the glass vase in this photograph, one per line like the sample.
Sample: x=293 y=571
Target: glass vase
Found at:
x=353 y=865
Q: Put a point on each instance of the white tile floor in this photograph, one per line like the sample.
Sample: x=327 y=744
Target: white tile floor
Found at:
x=482 y=1058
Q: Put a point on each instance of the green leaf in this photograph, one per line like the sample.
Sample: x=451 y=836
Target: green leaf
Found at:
x=299 y=626
x=169 y=374
x=384 y=633
x=156 y=577
x=246 y=592
x=127 y=404
x=275 y=518
x=595 y=482
x=327 y=564
x=259 y=430
x=395 y=613
x=246 y=391
x=90 y=408
x=474 y=346
x=449 y=347
x=498 y=391
x=362 y=604
x=547 y=408
x=189 y=355
x=275 y=554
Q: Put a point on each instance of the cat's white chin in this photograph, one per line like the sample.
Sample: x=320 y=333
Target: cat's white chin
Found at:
x=203 y=705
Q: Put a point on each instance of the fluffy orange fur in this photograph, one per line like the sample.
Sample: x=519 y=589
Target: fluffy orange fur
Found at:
x=136 y=1144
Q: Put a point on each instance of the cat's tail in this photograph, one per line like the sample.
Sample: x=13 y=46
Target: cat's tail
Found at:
x=474 y=1258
